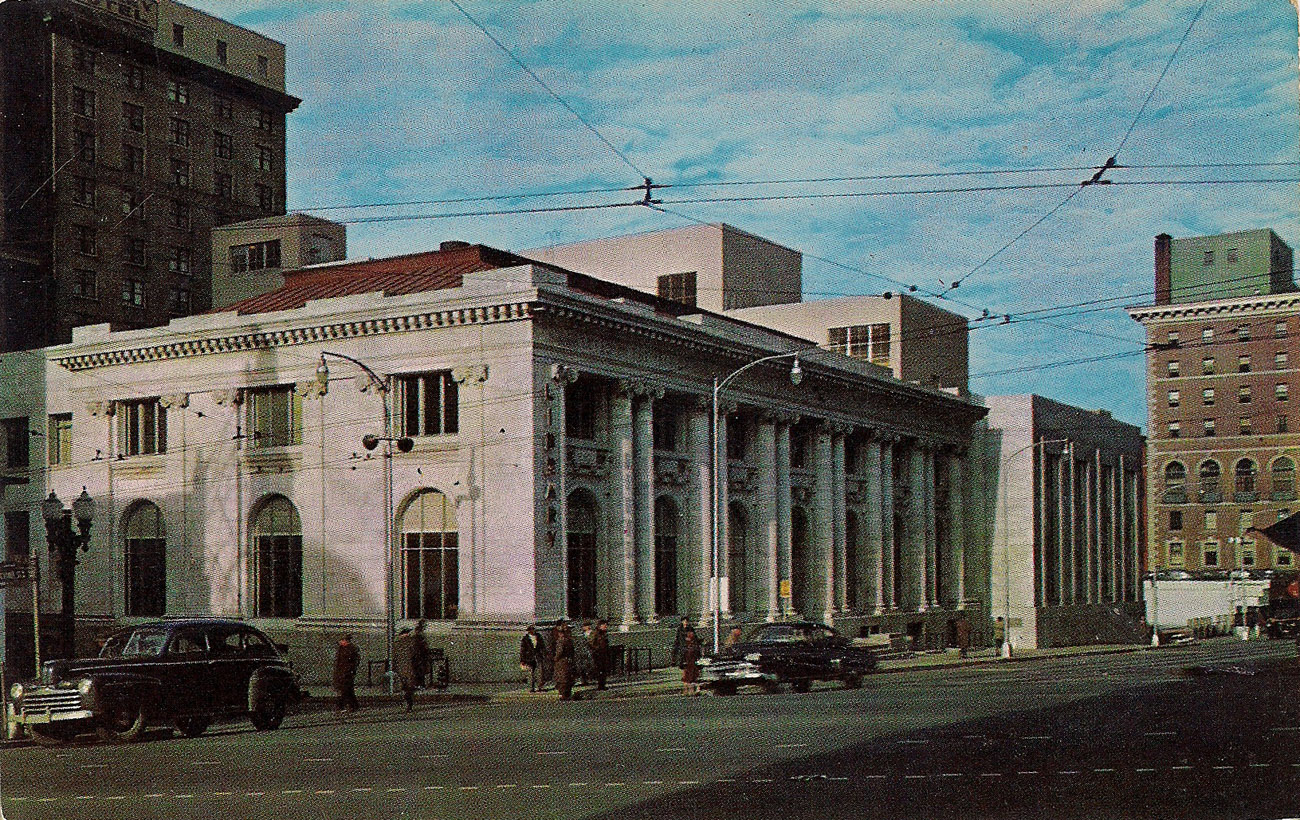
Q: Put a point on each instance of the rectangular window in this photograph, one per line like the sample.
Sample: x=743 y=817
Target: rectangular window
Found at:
x=735 y=438
x=86 y=240
x=1207 y=366
x=141 y=427
x=178 y=92
x=1281 y=424
x=1175 y=429
x=18 y=536
x=178 y=131
x=1175 y=519
x=431 y=573
x=1207 y=397
x=264 y=119
x=1243 y=363
x=1207 y=335
x=263 y=158
x=180 y=301
x=83 y=59
x=274 y=416
x=59 y=436
x=1247 y=519
x=84 y=144
x=678 y=287
x=223 y=185
x=580 y=412
x=666 y=428
x=223 y=145
x=1243 y=394
x=430 y=404
x=1211 y=520
x=1173 y=398
x=1247 y=553
x=1245 y=428
x=223 y=52
x=1172 y=369
x=133 y=116
x=180 y=173
x=871 y=342
x=264 y=199
x=1175 y=549
x=1280 y=359
x=223 y=107
x=1243 y=333
x=1281 y=391
x=180 y=261
x=133 y=204
x=17 y=443
x=133 y=292
x=133 y=76
x=1279 y=329
x=1173 y=338
x=84 y=284
x=1230 y=256
x=83 y=102
x=180 y=214
x=178 y=35
x=1208 y=430
x=263 y=65
x=1211 y=553
x=1284 y=558
x=1207 y=259
x=83 y=191
x=136 y=253
x=132 y=159
x=257 y=256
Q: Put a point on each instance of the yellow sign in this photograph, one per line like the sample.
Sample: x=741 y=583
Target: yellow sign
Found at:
x=785 y=588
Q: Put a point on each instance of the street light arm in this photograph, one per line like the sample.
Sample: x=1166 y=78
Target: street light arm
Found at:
x=378 y=382
x=774 y=357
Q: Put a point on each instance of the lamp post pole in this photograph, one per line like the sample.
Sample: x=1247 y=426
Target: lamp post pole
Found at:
x=715 y=580
x=64 y=545
x=1006 y=541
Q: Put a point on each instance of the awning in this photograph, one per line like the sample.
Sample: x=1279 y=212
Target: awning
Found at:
x=1285 y=533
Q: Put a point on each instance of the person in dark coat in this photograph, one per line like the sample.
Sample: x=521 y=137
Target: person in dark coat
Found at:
x=582 y=661
x=963 y=630
x=600 y=660
x=420 y=657
x=690 y=664
x=531 y=650
x=346 y=660
x=564 y=661
x=679 y=643
x=404 y=653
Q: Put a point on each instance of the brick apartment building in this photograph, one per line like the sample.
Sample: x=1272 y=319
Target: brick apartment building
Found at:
x=1223 y=433
x=130 y=128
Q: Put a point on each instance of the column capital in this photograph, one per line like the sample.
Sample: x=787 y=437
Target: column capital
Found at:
x=564 y=374
x=839 y=428
x=175 y=400
x=232 y=397
x=786 y=417
x=101 y=408
x=470 y=374
x=640 y=389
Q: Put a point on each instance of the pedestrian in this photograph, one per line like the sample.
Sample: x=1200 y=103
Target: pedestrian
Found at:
x=733 y=637
x=346 y=660
x=963 y=630
x=690 y=663
x=564 y=661
x=600 y=653
x=531 y=649
x=679 y=643
x=404 y=665
x=420 y=656
x=582 y=660
x=999 y=632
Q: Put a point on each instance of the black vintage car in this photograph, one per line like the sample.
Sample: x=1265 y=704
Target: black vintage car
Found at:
x=183 y=672
x=794 y=653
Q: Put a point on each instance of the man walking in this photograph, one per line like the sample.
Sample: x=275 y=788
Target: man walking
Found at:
x=582 y=659
x=404 y=658
x=531 y=649
x=564 y=661
x=420 y=656
x=600 y=653
x=963 y=630
x=346 y=660
x=679 y=643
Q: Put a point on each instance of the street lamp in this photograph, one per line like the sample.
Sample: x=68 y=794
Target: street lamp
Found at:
x=64 y=545
x=796 y=376
x=1006 y=541
x=370 y=442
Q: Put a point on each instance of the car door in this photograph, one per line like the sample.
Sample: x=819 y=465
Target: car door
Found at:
x=184 y=678
x=229 y=668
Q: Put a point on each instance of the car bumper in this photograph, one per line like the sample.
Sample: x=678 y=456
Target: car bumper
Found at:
x=45 y=716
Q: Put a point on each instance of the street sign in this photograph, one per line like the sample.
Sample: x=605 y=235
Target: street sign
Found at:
x=13 y=572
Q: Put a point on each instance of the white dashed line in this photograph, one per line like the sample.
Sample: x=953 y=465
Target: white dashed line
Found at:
x=869 y=777
x=688 y=782
x=1223 y=768
x=1068 y=771
x=501 y=786
x=1180 y=768
x=123 y=797
x=991 y=774
x=324 y=791
x=1033 y=772
x=85 y=797
x=1260 y=765
x=973 y=737
x=726 y=780
x=291 y=791
x=555 y=753
x=616 y=783
x=951 y=774
x=318 y=760
x=1103 y=770
x=791 y=745
x=363 y=789
x=214 y=794
x=94 y=765
x=1036 y=737
x=434 y=788
x=433 y=757
x=158 y=794
x=577 y=785
x=184 y=796
x=670 y=750
x=769 y=780
x=918 y=742
x=1285 y=729
x=914 y=777
x=541 y=785
x=656 y=782
x=395 y=790
x=469 y=788
x=254 y=794
x=1144 y=770
x=1159 y=734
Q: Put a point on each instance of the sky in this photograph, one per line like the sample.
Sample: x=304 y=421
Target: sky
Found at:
x=411 y=102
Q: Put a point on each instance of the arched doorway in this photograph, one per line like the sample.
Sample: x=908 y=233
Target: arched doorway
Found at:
x=277 y=559
x=146 y=560
x=430 y=557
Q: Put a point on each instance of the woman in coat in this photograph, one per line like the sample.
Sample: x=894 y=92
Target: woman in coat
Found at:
x=564 y=661
x=691 y=664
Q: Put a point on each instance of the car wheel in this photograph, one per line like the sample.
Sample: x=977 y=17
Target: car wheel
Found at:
x=771 y=687
x=269 y=713
x=51 y=735
x=853 y=682
x=725 y=689
x=122 y=724
x=802 y=685
x=192 y=726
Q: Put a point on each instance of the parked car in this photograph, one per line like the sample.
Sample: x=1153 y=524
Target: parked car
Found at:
x=182 y=672
x=787 y=653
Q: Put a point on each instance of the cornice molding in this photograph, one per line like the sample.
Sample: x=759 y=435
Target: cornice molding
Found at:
x=1187 y=310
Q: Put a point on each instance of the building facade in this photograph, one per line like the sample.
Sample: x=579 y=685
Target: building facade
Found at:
x=1221 y=371
x=560 y=466
x=130 y=130
x=249 y=258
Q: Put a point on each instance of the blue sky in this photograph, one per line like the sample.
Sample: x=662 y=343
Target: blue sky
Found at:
x=409 y=101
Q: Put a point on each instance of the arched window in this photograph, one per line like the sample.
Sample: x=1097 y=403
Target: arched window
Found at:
x=277 y=551
x=1283 y=477
x=430 y=557
x=1245 y=476
x=146 y=560
x=665 y=556
x=1175 y=475
x=851 y=559
x=799 y=591
x=581 y=547
x=1209 y=473
x=738 y=556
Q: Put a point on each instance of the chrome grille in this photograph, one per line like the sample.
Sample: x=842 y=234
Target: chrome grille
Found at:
x=53 y=702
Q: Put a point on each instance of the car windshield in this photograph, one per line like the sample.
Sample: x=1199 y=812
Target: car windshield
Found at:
x=139 y=643
x=777 y=634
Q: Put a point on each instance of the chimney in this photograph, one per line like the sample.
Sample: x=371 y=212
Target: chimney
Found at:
x=1164 y=285
x=453 y=245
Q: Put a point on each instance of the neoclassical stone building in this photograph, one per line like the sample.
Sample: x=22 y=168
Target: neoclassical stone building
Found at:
x=559 y=465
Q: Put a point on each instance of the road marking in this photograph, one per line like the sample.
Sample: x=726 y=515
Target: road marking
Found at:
x=769 y=780
x=291 y=791
x=1144 y=770
x=576 y=785
x=869 y=777
x=990 y=774
x=1223 y=768
x=688 y=782
x=324 y=791
x=1103 y=770
x=363 y=789
x=123 y=797
x=726 y=780
x=395 y=790
x=318 y=760
x=660 y=782
x=676 y=750
x=562 y=753
x=1285 y=729
x=616 y=783
x=1160 y=734
x=914 y=777
x=85 y=797
x=499 y=786
x=1068 y=771
x=214 y=794
x=914 y=741
x=951 y=774
x=94 y=765
x=1260 y=765
x=1180 y=768
x=1036 y=737
x=541 y=785
x=254 y=794
x=158 y=794
x=786 y=746
x=469 y=788
x=974 y=737
x=184 y=796
x=434 y=788
x=433 y=757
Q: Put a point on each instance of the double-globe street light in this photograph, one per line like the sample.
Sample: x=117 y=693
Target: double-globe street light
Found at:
x=1006 y=539
x=715 y=582
x=64 y=545
x=381 y=384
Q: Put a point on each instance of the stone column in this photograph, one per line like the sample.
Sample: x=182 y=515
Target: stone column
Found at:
x=839 y=532
x=783 y=503
x=765 y=517
x=701 y=487
x=1121 y=546
x=888 y=538
x=724 y=506
x=1091 y=572
x=1072 y=506
x=644 y=481
x=932 y=568
x=954 y=516
x=553 y=570
x=823 y=524
x=872 y=530
x=913 y=536
x=622 y=563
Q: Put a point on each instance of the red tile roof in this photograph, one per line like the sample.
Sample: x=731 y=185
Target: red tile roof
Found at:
x=393 y=276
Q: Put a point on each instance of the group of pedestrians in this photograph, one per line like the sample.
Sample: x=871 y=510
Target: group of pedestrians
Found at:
x=560 y=657
x=411 y=664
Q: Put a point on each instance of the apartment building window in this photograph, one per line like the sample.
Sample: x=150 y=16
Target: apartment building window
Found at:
x=678 y=287
x=1173 y=398
x=264 y=119
x=1281 y=392
x=180 y=214
x=274 y=416
x=1207 y=259
x=1211 y=520
x=1207 y=335
x=257 y=256
x=133 y=292
x=1210 y=553
x=178 y=35
x=180 y=301
x=223 y=107
x=86 y=240
x=84 y=144
x=1279 y=329
x=1207 y=366
x=85 y=284
x=180 y=173
x=180 y=261
x=1243 y=394
x=59 y=437
x=263 y=65
x=1172 y=369
x=223 y=52
x=1283 y=477
x=1230 y=256
x=1247 y=552
x=1243 y=363
x=132 y=159
x=1283 y=558
x=1208 y=429
x=1280 y=359
x=1243 y=333
x=17 y=443
x=18 y=536
x=1244 y=473
x=133 y=76
x=83 y=191
x=141 y=427
x=1173 y=338
x=83 y=102
x=1245 y=428
x=1175 y=429
x=136 y=253
x=1209 y=476
x=133 y=116
x=83 y=59
x=133 y=204
x=223 y=185
x=1282 y=424
x=430 y=404
x=223 y=145
x=263 y=158
x=1175 y=549
x=580 y=406
x=178 y=131
x=1207 y=396
x=871 y=342
x=1175 y=519
x=265 y=200
x=178 y=92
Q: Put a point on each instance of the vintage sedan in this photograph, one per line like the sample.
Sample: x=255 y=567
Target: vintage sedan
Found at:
x=182 y=672
x=794 y=653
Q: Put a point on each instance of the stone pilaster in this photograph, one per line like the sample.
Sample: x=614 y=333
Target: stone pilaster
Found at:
x=871 y=531
x=888 y=536
x=783 y=506
x=839 y=518
x=765 y=593
x=821 y=537
x=622 y=552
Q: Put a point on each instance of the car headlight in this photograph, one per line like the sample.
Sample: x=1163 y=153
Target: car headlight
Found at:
x=16 y=692
x=754 y=657
x=85 y=685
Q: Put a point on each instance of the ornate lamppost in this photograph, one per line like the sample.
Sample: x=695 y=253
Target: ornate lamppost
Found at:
x=64 y=544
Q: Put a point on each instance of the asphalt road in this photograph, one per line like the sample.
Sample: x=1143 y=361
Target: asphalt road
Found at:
x=1110 y=736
